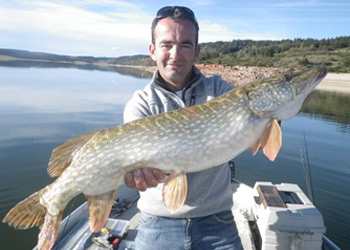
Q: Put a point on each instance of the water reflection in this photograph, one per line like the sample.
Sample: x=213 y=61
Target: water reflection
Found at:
x=27 y=128
x=64 y=90
x=40 y=108
x=130 y=71
x=331 y=107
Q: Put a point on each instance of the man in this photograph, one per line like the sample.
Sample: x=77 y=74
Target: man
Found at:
x=205 y=221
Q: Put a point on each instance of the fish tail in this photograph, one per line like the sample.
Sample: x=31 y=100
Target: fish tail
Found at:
x=27 y=213
x=30 y=213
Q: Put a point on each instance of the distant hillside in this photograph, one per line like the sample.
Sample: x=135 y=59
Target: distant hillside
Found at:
x=297 y=53
x=13 y=54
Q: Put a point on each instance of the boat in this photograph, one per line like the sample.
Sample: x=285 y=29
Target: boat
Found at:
x=268 y=216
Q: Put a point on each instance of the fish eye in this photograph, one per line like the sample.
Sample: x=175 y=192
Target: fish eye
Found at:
x=287 y=77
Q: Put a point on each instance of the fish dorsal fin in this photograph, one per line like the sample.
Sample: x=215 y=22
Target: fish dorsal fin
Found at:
x=62 y=156
x=270 y=141
x=99 y=209
x=175 y=191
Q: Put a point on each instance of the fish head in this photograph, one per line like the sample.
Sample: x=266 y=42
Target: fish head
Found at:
x=282 y=96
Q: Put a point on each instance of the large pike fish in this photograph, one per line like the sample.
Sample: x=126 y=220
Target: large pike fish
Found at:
x=186 y=140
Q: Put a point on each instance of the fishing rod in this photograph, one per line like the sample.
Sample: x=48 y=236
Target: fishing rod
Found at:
x=327 y=243
x=307 y=172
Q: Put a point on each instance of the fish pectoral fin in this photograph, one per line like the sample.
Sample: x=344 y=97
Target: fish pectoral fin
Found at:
x=99 y=209
x=62 y=156
x=175 y=191
x=271 y=140
x=256 y=147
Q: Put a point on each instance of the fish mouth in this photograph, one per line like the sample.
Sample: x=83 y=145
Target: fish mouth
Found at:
x=308 y=80
x=307 y=85
x=282 y=97
x=322 y=74
x=323 y=71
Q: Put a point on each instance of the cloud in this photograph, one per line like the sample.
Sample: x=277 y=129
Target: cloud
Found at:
x=99 y=23
x=211 y=32
x=93 y=27
x=88 y=27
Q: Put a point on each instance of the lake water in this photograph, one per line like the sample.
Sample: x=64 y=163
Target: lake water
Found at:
x=41 y=107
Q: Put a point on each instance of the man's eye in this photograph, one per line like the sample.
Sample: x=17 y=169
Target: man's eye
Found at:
x=166 y=46
x=186 y=46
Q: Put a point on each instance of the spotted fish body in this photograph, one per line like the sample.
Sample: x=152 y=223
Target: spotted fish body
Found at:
x=181 y=141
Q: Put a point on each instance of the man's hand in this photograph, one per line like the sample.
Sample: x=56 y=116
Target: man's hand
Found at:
x=144 y=178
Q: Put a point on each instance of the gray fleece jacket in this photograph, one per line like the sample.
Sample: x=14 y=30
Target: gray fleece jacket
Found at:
x=209 y=191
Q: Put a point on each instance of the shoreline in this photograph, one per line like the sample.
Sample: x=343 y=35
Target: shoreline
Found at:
x=336 y=82
x=236 y=75
x=241 y=75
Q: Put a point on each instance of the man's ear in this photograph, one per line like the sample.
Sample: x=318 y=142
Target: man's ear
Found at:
x=151 y=49
x=196 y=52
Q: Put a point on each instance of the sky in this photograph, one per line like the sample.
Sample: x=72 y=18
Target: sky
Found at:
x=115 y=28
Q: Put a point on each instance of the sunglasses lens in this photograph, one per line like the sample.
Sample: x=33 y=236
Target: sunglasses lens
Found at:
x=165 y=11
x=169 y=10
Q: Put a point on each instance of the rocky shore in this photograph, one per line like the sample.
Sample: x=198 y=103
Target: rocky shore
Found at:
x=240 y=75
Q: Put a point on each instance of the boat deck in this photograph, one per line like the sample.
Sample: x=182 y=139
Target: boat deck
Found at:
x=75 y=233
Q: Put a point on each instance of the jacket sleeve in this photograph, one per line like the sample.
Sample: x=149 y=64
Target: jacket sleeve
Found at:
x=137 y=107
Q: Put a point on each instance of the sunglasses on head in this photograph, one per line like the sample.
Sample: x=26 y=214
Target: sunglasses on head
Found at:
x=169 y=10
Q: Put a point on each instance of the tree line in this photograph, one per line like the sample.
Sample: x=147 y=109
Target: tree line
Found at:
x=287 y=53
x=334 y=53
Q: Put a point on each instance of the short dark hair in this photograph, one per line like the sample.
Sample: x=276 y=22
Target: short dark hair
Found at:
x=176 y=13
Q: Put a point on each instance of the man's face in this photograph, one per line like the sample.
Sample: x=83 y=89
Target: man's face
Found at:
x=175 y=51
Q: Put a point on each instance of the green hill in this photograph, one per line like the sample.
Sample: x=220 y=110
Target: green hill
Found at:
x=14 y=54
x=297 y=53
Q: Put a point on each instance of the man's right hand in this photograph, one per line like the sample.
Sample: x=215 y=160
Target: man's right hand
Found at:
x=143 y=178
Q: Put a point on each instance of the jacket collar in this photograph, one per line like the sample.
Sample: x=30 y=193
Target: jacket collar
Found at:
x=158 y=82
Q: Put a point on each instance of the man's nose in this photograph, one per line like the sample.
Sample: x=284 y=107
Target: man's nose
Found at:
x=175 y=52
